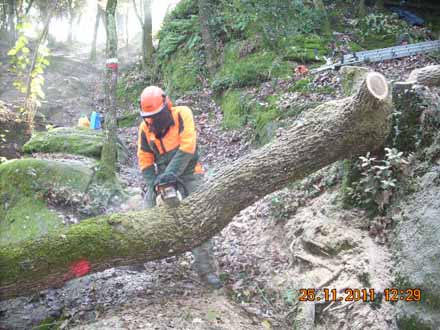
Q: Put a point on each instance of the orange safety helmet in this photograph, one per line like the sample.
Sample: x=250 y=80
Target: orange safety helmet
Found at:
x=153 y=101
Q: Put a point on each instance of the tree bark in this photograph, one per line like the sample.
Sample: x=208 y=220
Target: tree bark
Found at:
x=409 y=114
x=28 y=8
x=332 y=131
x=100 y=15
x=109 y=155
x=127 y=12
x=406 y=119
x=319 y=4
x=148 y=34
x=146 y=22
x=362 y=9
x=205 y=12
x=352 y=78
x=12 y=33
x=3 y=27
x=427 y=76
x=71 y=18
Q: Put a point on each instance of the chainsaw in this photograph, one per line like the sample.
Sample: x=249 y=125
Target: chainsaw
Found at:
x=168 y=192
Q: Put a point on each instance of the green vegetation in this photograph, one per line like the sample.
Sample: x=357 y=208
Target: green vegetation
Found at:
x=250 y=70
x=264 y=122
x=411 y=323
x=29 y=70
x=305 y=48
x=382 y=30
x=258 y=41
x=265 y=116
x=180 y=58
x=180 y=73
x=234 y=109
x=378 y=181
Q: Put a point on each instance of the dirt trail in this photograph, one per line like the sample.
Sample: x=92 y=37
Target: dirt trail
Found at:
x=70 y=86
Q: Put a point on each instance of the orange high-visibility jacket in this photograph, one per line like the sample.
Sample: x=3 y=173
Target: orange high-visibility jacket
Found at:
x=180 y=137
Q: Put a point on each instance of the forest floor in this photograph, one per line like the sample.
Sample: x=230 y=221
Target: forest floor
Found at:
x=299 y=237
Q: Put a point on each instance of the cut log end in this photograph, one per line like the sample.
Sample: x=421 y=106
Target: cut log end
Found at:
x=377 y=85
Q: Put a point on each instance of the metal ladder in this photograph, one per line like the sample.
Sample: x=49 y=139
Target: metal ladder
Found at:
x=382 y=54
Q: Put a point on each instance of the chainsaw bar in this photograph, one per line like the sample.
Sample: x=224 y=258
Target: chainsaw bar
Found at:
x=383 y=54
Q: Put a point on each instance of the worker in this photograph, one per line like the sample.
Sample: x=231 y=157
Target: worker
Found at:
x=167 y=151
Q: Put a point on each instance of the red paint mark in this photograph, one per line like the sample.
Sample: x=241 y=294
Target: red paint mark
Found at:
x=112 y=66
x=78 y=269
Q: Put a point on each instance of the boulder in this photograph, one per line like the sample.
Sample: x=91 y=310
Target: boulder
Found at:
x=25 y=185
x=75 y=141
x=85 y=142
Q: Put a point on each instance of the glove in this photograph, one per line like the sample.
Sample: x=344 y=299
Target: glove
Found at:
x=165 y=178
x=149 y=176
x=178 y=163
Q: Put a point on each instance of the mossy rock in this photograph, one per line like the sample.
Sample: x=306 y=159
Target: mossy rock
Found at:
x=75 y=141
x=23 y=186
x=305 y=49
x=85 y=142
x=29 y=218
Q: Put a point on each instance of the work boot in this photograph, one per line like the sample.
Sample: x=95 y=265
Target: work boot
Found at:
x=205 y=264
x=213 y=281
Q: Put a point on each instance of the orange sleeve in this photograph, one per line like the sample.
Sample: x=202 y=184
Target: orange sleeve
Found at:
x=144 y=152
x=188 y=134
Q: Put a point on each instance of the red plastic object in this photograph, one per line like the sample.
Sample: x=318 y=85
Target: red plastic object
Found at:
x=302 y=69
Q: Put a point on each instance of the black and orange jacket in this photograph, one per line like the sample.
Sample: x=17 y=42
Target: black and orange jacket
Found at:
x=176 y=152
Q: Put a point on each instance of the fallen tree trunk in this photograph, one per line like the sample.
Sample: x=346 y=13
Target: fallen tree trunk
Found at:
x=427 y=76
x=332 y=131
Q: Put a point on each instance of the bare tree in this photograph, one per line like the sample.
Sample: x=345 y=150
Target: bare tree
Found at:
x=319 y=4
x=12 y=33
x=100 y=15
x=146 y=22
x=205 y=14
x=361 y=9
x=110 y=149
